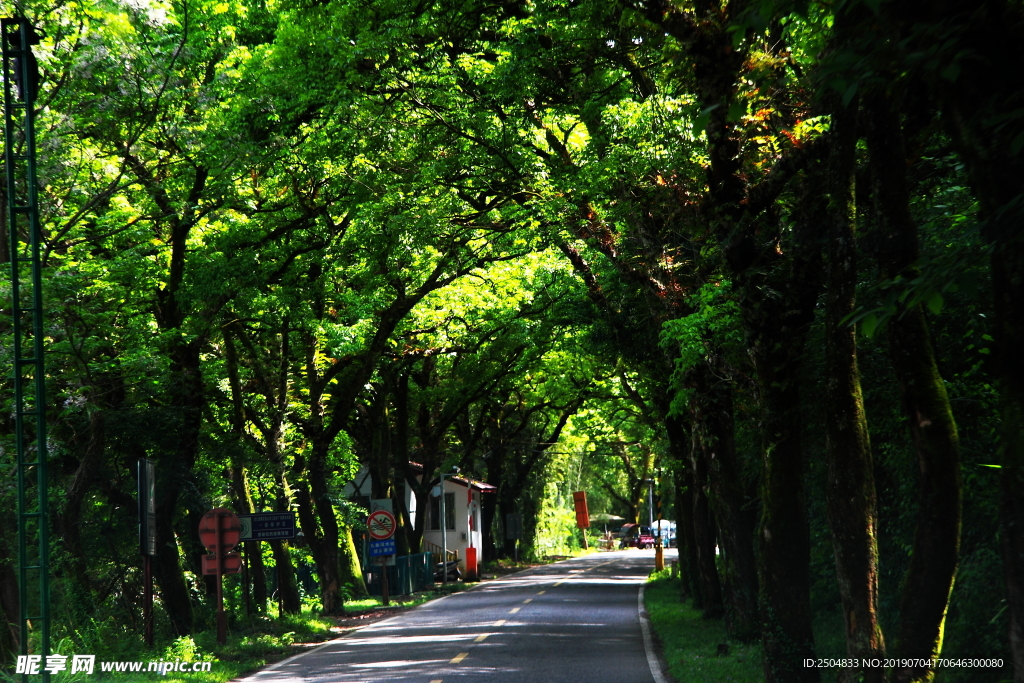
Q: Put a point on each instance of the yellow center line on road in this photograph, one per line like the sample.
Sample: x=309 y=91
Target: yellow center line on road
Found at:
x=499 y=622
x=459 y=657
x=542 y=593
x=527 y=601
x=481 y=638
x=581 y=571
x=437 y=680
x=513 y=610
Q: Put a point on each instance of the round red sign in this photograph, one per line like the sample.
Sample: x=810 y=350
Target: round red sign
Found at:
x=381 y=524
x=230 y=529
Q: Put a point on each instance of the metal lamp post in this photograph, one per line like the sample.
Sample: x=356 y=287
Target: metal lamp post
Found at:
x=444 y=531
x=650 y=503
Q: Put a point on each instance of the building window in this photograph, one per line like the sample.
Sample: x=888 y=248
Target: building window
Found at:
x=449 y=512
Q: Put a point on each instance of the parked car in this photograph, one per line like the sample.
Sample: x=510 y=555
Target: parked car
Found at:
x=636 y=536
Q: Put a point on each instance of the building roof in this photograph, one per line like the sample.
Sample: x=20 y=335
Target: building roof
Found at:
x=474 y=484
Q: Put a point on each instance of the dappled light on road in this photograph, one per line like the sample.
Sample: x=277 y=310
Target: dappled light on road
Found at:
x=548 y=624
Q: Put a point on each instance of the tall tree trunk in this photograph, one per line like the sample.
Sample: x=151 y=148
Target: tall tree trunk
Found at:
x=320 y=526
x=713 y=424
x=287 y=590
x=704 y=537
x=689 y=584
x=351 y=569
x=685 y=541
x=174 y=470
x=929 y=579
x=1008 y=277
x=256 y=577
x=185 y=392
x=488 y=509
x=975 y=105
x=399 y=458
x=70 y=515
x=9 y=612
x=777 y=307
x=850 y=497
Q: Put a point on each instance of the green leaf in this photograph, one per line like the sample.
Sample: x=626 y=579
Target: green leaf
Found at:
x=1017 y=143
x=951 y=72
x=869 y=324
x=850 y=93
x=701 y=122
x=935 y=302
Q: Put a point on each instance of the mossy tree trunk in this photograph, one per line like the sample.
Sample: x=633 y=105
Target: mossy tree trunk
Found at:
x=975 y=107
x=685 y=540
x=287 y=589
x=851 y=501
x=929 y=579
x=779 y=291
x=716 y=448
x=351 y=569
x=704 y=536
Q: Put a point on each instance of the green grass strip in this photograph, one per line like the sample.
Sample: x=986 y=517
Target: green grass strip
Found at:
x=691 y=645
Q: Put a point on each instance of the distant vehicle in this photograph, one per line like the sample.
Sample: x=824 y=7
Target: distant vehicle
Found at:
x=668 y=532
x=636 y=536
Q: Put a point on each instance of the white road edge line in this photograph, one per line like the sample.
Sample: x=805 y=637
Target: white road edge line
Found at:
x=255 y=675
x=645 y=628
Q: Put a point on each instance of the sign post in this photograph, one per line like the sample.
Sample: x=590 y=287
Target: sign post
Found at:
x=381 y=525
x=579 y=501
x=147 y=539
x=444 y=528
x=267 y=526
x=220 y=531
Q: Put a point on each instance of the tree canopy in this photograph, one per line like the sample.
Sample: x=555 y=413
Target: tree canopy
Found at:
x=764 y=253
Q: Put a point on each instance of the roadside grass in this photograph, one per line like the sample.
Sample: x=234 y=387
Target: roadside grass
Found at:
x=251 y=644
x=690 y=644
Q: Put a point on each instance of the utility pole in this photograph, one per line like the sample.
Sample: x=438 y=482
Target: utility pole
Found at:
x=444 y=531
x=659 y=546
x=21 y=79
x=650 y=504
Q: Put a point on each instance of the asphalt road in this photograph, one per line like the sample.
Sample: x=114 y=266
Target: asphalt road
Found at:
x=574 y=622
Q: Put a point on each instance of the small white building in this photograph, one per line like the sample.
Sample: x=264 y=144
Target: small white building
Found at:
x=462 y=512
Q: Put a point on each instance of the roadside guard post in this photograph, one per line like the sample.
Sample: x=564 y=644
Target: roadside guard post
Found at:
x=220 y=532
x=381 y=525
x=579 y=501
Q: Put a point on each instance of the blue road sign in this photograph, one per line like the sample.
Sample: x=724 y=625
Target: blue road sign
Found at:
x=267 y=526
x=381 y=548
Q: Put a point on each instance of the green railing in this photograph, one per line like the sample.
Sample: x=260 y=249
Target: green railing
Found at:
x=409 y=574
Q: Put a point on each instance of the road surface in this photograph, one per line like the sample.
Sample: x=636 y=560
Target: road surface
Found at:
x=574 y=622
